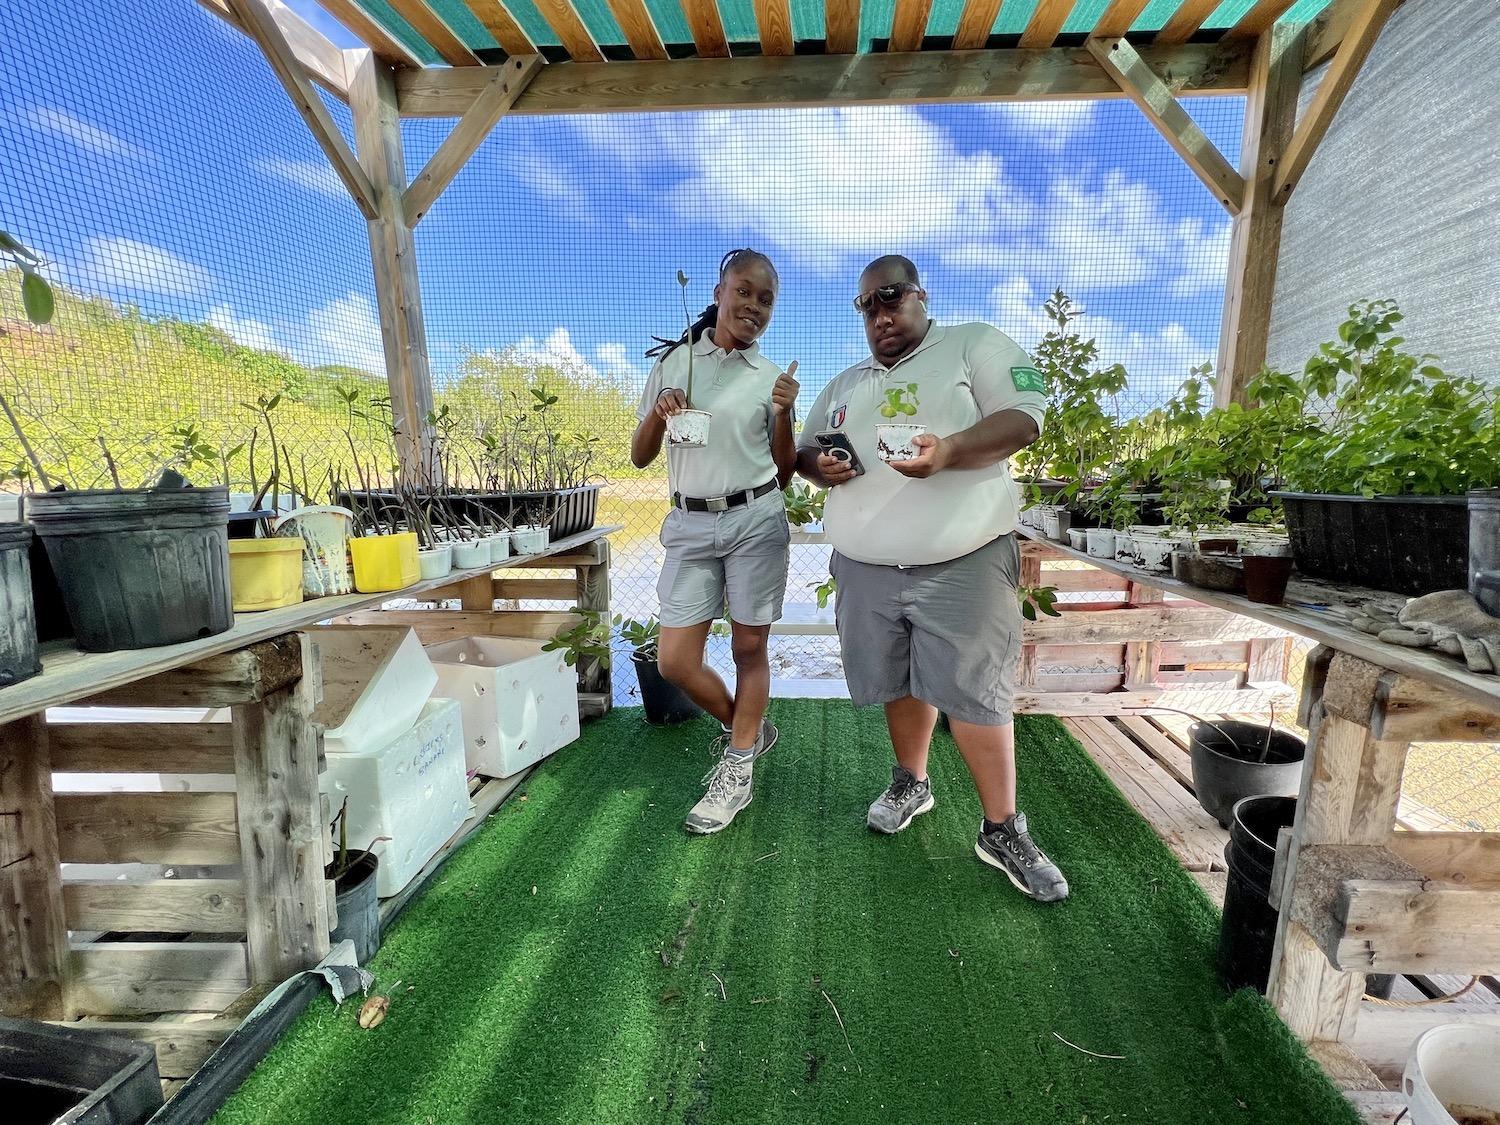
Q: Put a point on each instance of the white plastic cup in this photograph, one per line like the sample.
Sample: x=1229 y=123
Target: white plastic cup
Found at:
x=434 y=562
x=1078 y=538
x=1100 y=543
x=688 y=429
x=471 y=554
x=1453 y=1065
x=499 y=546
x=1154 y=552
x=528 y=540
x=893 y=441
x=324 y=531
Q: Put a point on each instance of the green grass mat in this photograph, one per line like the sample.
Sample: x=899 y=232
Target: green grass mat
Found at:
x=582 y=960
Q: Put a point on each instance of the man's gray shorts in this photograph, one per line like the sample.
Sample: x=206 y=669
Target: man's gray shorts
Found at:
x=738 y=557
x=948 y=634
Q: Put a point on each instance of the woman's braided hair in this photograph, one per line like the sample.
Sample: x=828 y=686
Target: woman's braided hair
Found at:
x=709 y=317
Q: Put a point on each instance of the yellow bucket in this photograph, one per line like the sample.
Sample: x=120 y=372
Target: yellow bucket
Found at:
x=384 y=562
x=265 y=573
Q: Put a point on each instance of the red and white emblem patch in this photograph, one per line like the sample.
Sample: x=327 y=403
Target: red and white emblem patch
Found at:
x=836 y=419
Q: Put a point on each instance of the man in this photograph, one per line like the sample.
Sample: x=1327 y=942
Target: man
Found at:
x=925 y=553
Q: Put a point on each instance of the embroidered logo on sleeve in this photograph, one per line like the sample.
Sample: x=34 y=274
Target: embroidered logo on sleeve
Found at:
x=1027 y=379
x=836 y=419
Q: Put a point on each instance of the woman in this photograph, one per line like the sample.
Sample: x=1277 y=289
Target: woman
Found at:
x=726 y=537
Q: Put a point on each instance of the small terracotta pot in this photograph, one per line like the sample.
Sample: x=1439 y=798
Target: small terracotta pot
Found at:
x=1266 y=577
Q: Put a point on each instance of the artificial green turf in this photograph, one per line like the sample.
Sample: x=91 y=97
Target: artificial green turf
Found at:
x=561 y=968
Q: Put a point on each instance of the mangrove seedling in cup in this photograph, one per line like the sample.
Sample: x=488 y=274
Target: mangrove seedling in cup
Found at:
x=893 y=440
x=688 y=428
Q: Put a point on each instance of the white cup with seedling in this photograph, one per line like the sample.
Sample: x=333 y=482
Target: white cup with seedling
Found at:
x=893 y=440
x=688 y=429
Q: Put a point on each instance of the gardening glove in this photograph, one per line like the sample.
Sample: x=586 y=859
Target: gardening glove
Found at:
x=1450 y=621
x=1373 y=619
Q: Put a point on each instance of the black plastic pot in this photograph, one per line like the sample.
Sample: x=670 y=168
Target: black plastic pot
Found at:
x=1226 y=765
x=138 y=568
x=250 y=525
x=1407 y=544
x=1266 y=577
x=358 y=905
x=50 y=1074
x=1484 y=548
x=18 y=658
x=1247 y=929
x=663 y=700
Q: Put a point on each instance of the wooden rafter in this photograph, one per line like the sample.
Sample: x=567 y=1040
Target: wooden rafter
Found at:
x=506 y=83
x=909 y=24
x=1186 y=20
x=842 y=26
x=431 y=27
x=1356 y=47
x=503 y=27
x=1118 y=18
x=261 y=26
x=1125 y=65
x=388 y=49
x=1328 y=30
x=1045 y=24
x=569 y=28
x=975 y=23
x=916 y=78
x=1258 y=20
x=707 y=28
x=773 y=19
x=318 y=55
x=640 y=30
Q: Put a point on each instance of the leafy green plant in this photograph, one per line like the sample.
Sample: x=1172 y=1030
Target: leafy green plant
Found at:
x=804 y=505
x=642 y=636
x=588 y=638
x=900 y=401
x=36 y=293
x=1036 y=599
x=824 y=590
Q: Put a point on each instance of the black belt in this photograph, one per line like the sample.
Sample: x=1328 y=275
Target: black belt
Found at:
x=721 y=503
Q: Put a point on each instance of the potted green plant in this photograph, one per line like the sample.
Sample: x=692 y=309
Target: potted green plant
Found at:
x=893 y=440
x=804 y=504
x=664 y=702
x=688 y=428
x=353 y=874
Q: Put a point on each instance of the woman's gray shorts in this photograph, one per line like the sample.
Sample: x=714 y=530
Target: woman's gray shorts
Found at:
x=738 y=558
x=948 y=633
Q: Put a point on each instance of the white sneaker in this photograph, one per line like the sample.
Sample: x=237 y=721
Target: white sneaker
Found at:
x=730 y=789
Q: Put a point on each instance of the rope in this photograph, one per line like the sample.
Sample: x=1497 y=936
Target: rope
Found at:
x=1424 y=1003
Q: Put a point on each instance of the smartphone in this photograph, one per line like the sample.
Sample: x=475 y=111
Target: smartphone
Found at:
x=836 y=444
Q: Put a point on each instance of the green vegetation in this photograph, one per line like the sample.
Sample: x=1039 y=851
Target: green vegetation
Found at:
x=900 y=401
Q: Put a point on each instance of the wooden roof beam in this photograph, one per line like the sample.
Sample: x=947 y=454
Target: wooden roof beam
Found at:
x=909 y=24
x=503 y=27
x=842 y=26
x=431 y=27
x=1258 y=20
x=1328 y=31
x=975 y=24
x=1046 y=23
x=773 y=19
x=385 y=46
x=1186 y=21
x=320 y=58
x=640 y=30
x=1118 y=18
x=1124 y=64
x=707 y=28
x=569 y=28
x=1369 y=18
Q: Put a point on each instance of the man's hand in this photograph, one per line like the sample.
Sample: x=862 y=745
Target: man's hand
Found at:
x=834 y=471
x=671 y=401
x=784 y=393
x=934 y=454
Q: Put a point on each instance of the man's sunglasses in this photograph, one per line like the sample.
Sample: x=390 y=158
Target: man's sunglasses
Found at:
x=885 y=295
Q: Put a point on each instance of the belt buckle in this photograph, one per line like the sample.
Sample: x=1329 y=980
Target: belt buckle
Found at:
x=716 y=504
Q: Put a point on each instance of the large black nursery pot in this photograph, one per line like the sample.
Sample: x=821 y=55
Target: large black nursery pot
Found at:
x=50 y=1074
x=1247 y=928
x=1227 y=767
x=663 y=700
x=138 y=568
x=18 y=658
x=1407 y=544
x=1484 y=548
x=357 y=904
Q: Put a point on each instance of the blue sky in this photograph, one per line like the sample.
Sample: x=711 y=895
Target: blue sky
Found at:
x=185 y=183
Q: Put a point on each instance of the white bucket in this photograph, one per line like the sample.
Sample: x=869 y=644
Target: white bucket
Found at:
x=324 y=530
x=434 y=562
x=1078 y=538
x=1100 y=542
x=1452 y=1076
x=529 y=540
x=893 y=441
x=688 y=428
x=470 y=554
x=499 y=546
x=1154 y=552
x=1126 y=550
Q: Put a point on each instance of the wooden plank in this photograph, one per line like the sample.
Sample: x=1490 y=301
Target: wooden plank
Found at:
x=1146 y=623
x=437 y=625
x=146 y=978
x=261 y=26
x=1073 y=581
x=182 y=1046
x=211 y=906
x=773 y=20
x=319 y=56
x=1410 y=710
x=1167 y=754
x=569 y=28
x=141 y=748
x=503 y=27
x=886 y=78
x=282 y=835
x=1453 y=857
x=1355 y=48
x=171 y=828
x=1143 y=659
x=1186 y=20
x=33 y=933
x=842 y=26
x=535 y=589
x=431 y=27
x=507 y=83
x=1119 y=17
x=1344 y=1068
x=591 y=592
x=1046 y=23
x=386 y=47
x=593 y=704
x=1258 y=19
x=1093 y=657
x=975 y=23
x=1268 y=660
x=639 y=29
x=219 y=681
x=474 y=594
x=1215 y=885
x=1206 y=652
x=1400 y=926
x=1207 y=698
x=706 y=28
x=909 y=24
x=1125 y=65
x=1327 y=31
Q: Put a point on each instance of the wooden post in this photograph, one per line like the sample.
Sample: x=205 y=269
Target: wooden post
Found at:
x=277 y=753
x=1031 y=575
x=593 y=593
x=477 y=594
x=377 y=133
x=1255 y=243
x=1142 y=658
x=33 y=934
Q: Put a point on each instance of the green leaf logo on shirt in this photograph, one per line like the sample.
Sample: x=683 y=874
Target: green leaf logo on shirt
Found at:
x=1027 y=379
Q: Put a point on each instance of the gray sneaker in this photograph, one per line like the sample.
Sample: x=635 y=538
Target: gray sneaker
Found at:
x=729 y=790
x=768 y=735
x=904 y=801
x=1010 y=848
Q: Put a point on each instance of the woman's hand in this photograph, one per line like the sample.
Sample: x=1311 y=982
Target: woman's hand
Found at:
x=671 y=401
x=784 y=393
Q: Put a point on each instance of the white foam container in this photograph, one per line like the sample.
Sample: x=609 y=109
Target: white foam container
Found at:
x=1452 y=1064
x=375 y=680
x=520 y=703
x=413 y=789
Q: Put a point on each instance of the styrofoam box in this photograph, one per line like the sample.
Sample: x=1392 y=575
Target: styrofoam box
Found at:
x=520 y=703
x=413 y=789
x=375 y=680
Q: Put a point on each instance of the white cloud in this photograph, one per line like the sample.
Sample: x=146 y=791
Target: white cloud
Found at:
x=126 y=264
x=551 y=179
x=313 y=175
x=1203 y=257
x=616 y=364
x=244 y=331
x=1051 y=124
x=63 y=124
x=346 y=330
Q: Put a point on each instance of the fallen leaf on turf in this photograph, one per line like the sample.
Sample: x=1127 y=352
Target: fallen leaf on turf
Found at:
x=671 y=995
x=372 y=1012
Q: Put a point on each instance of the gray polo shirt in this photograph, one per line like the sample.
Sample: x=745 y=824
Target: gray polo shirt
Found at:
x=735 y=387
x=963 y=373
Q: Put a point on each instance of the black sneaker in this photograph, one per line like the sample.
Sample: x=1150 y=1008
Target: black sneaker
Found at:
x=1010 y=848
x=904 y=801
